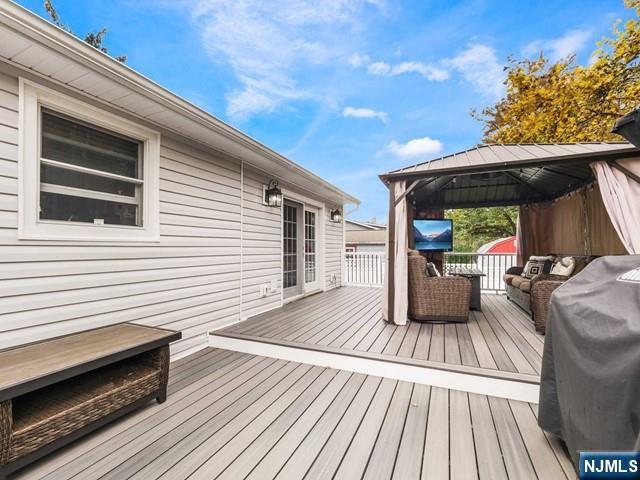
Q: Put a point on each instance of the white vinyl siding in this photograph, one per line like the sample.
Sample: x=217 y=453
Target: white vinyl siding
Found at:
x=262 y=246
x=188 y=281
x=334 y=248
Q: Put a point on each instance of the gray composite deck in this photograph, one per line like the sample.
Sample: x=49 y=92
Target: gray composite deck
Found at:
x=233 y=415
x=500 y=338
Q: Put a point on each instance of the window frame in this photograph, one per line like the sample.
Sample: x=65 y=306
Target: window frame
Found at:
x=33 y=98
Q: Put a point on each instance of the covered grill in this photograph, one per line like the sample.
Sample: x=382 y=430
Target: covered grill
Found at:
x=590 y=382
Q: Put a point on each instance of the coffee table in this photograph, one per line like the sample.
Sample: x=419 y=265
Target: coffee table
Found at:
x=473 y=275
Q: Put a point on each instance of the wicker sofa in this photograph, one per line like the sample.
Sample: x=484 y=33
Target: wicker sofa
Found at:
x=436 y=299
x=534 y=294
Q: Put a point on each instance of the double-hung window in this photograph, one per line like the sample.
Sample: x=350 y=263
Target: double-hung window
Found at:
x=86 y=174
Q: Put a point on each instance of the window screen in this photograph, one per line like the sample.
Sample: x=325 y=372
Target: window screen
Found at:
x=88 y=174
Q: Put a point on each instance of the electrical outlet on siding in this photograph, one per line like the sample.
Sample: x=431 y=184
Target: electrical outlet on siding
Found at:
x=267 y=289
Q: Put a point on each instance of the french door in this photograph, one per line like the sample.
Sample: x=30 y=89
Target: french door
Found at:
x=311 y=280
x=299 y=249
x=292 y=284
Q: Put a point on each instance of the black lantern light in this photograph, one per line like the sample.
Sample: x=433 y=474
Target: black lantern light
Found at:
x=273 y=195
x=336 y=215
x=629 y=127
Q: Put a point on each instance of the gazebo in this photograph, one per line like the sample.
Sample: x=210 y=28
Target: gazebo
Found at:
x=582 y=198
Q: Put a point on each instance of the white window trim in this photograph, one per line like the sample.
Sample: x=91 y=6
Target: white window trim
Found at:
x=30 y=227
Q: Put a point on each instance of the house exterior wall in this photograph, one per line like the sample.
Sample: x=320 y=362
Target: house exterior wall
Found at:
x=353 y=227
x=189 y=281
x=334 y=251
x=262 y=246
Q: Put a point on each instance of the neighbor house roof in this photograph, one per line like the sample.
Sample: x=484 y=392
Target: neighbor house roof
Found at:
x=366 y=225
x=487 y=157
x=29 y=42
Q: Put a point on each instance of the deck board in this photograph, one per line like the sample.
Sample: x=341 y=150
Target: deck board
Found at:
x=463 y=465
x=436 y=445
x=409 y=460
x=490 y=461
x=500 y=338
x=261 y=418
x=309 y=434
x=383 y=457
x=355 y=460
x=167 y=449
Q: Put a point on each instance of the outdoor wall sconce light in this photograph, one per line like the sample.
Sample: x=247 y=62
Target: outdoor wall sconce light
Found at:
x=273 y=195
x=336 y=215
x=629 y=127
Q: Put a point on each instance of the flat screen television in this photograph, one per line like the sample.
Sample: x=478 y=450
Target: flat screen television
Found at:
x=433 y=235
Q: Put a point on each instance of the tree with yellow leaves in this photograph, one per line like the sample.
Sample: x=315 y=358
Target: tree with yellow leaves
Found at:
x=565 y=102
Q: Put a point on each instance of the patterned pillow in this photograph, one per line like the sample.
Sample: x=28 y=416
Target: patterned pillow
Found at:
x=432 y=271
x=537 y=265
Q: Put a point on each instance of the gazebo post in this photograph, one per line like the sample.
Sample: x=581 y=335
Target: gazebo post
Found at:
x=391 y=239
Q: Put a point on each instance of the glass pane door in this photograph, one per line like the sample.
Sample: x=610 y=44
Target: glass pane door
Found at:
x=310 y=248
x=290 y=247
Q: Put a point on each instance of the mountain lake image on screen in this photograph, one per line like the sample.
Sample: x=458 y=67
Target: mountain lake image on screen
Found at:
x=433 y=234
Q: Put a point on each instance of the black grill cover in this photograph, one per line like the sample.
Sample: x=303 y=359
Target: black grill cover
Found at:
x=590 y=382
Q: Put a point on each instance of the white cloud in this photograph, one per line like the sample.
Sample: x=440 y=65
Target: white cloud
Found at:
x=571 y=43
x=364 y=113
x=429 y=72
x=415 y=148
x=379 y=68
x=266 y=43
x=479 y=66
x=357 y=60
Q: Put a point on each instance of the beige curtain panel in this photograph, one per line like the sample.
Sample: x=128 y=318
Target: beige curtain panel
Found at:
x=533 y=233
x=621 y=197
x=577 y=224
x=400 y=292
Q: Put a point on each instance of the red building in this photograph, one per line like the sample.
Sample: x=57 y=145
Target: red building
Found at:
x=502 y=245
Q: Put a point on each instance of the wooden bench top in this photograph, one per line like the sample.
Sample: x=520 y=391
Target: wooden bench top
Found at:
x=36 y=365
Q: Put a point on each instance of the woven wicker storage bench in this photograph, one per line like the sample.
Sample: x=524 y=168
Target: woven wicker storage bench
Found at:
x=110 y=372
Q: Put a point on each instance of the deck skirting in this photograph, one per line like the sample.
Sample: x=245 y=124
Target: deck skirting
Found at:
x=523 y=388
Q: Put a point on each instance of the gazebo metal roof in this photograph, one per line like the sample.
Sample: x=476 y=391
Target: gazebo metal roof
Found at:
x=506 y=174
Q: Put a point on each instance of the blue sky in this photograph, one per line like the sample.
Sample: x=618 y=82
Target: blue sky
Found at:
x=346 y=88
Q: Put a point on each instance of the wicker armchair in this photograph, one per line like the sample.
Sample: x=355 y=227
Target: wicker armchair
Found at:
x=542 y=287
x=436 y=299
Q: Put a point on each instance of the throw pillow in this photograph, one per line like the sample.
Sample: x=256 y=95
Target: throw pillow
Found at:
x=432 y=270
x=536 y=265
x=564 y=266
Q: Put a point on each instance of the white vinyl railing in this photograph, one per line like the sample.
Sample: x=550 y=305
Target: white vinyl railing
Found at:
x=363 y=269
x=367 y=268
x=493 y=265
